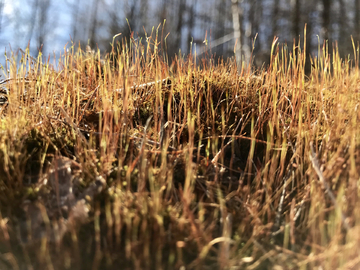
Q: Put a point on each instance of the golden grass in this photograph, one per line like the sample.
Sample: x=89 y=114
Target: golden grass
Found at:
x=179 y=164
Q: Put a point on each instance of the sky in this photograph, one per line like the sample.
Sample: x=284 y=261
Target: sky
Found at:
x=15 y=26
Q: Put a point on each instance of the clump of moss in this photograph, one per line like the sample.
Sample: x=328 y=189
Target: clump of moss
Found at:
x=179 y=165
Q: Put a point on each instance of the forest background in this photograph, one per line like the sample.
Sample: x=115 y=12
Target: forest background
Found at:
x=49 y=25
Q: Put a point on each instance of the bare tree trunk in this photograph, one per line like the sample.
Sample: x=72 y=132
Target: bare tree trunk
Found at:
x=326 y=19
x=245 y=37
x=180 y=23
x=255 y=15
x=191 y=22
x=296 y=19
x=44 y=9
x=357 y=20
x=163 y=13
x=94 y=24
x=114 y=25
x=237 y=32
x=252 y=14
x=275 y=18
x=258 y=6
x=342 y=21
x=220 y=24
x=144 y=7
x=75 y=20
x=33 y=19
x=310 y=25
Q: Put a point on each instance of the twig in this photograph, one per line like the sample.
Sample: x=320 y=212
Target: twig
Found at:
x=214 y=161
x=87 y=104
x=302 y=204
x=318 y=171
x=144 y=85
x=281 y=203
x=13 y=79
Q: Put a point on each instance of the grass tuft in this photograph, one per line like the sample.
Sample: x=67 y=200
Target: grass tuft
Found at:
x=131 y=160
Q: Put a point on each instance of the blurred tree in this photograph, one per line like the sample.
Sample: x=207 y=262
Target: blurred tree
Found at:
x=75 y=13
x=343 y=28
x=237 y=32
x=245 y=29
x=43 y=23
x=191 y=22
x=296 y=28
x=180 y=22
x=32 y=23
x=255 y=14
x=311 y=23
x=326 y=5
x=219 y=26
x=93 y=23
x=357 y=20
x=275 y=18
x=115 y=27
x=38 y=24
x=143 y=13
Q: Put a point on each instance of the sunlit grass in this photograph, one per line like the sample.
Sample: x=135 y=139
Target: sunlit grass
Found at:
x=195 y=164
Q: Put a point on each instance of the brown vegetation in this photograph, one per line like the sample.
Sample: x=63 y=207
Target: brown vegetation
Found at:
x=132 y=162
